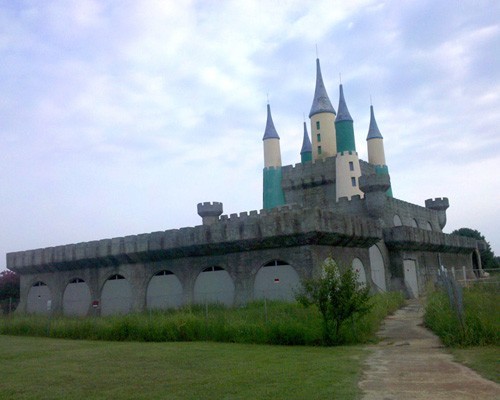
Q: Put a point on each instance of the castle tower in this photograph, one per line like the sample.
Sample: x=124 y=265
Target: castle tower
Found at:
x=376 y=153
x=306 y=151
x=273 y=195
x=347 y=166
x=322 y=117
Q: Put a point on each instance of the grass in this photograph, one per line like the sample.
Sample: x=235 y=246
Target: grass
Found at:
x=41 y=368
x=485 y=360
x=481 y=322
x=274 y=323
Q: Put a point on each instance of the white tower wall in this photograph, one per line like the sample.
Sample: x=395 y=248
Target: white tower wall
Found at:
x=348 y=172
x=376 y=154
x=272 y=153
x=326 y=130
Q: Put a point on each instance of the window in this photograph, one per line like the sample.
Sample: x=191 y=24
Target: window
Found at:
x=319 y=149
x=318 y=136
x=353 y=181
x=213 y=269
x=317 y=124
x=351 y=166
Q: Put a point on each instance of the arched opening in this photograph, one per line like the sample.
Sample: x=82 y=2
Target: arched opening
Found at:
x=164 y=291
x=396 y=220
x=359 y=270
x=39 y=299
x=76 y=298
x=214 y=285
x=116 y=296
x=414 y=223
x=428 y=226
x=377 y=268
x=276 y=280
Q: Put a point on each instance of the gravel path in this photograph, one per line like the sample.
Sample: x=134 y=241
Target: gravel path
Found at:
x=410 y=363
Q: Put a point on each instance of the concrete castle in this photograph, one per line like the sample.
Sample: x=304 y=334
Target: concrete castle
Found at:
x=330 y=204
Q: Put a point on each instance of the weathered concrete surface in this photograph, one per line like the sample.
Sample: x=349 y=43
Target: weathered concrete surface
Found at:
x=410 y=363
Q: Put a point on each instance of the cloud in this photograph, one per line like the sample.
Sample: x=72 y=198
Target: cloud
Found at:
x=118 y=117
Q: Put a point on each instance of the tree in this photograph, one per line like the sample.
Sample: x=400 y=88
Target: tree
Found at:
x=488 y=260
x=339 y=297
x=9 y=290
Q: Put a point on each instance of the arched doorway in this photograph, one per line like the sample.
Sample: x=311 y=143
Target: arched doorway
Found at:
x=377 y=268
x=116 y=296
x=164 y=291
x=39 y=299
x=359 y=270
x=214 y=285
x=76 y=298
x=276 y=280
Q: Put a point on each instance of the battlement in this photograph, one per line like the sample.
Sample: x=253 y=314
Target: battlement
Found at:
x=408 y=238
x=374 y=183
x=438 y=204
x=209 y=212
x=281 y=227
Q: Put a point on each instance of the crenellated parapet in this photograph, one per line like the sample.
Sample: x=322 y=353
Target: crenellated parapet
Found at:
x=375 y=187
x=210 y=212
x=409 y=238
x=439 y=204
x=282 y=227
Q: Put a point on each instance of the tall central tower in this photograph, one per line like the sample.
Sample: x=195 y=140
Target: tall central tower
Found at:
x=322 y=117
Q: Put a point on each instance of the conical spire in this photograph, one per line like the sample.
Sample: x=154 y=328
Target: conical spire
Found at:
x=321 y=102
x=343 y=114
x=306 y=143
x=373 y=131
x=270 y=132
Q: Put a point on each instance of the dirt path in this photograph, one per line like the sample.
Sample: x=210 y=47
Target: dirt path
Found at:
x=410 y=363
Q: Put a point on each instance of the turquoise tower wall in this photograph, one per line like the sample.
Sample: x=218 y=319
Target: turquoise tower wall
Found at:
x=306 y=157
x=384 y=170
x=273 y=195
x=345 y=136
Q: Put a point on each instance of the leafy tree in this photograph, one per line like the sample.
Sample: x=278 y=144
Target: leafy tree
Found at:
x=339 y=297
x=488 y=259
x=9 y=290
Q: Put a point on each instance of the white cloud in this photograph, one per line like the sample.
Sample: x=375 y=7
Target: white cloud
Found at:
x=119 y=118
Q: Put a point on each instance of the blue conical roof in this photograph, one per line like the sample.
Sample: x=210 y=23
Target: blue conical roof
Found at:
x=343 y=114
x=373 y=131
x=306 y=143
x=321 y=102
x=270 y=132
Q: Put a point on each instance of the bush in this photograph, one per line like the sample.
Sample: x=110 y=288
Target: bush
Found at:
x=338 y=296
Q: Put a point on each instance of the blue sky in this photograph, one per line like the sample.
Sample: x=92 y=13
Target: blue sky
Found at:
x=118 y=117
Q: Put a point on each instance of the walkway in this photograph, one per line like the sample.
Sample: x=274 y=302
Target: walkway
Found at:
x=410 y=363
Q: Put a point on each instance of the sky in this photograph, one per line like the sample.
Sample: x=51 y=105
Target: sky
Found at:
x=118 y=117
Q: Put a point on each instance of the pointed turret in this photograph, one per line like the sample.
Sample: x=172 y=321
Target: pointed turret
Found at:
x=270 y=132
x=344 y=126
x=306 y=151
x=273 y=195
x=347 y=165
x=376 y=153
x=373 y=131
x=321 y=102
x=272 y=151
x=322 y=117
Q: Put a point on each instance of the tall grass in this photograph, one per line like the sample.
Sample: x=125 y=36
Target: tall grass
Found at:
x=481 y=317
x=258 y=322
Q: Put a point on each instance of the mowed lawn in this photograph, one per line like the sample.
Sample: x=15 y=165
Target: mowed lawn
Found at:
x=41 y=368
